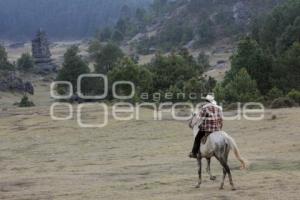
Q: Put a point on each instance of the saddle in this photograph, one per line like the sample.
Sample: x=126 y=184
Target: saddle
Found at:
x=204 y=138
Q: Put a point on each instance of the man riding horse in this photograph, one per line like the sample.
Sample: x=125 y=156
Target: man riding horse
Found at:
x=210 y=119
x=208 y=124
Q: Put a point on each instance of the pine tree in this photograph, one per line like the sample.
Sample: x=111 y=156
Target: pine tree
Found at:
x=287 y=73
x=107 y=59
x=127 y=70
x=256 y=62
x=25 y=62
x=242 y=88
x=73 y=67
x=4 y=64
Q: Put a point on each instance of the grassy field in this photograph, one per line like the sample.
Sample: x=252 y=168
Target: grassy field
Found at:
x=140 y=159
x=57 y=50
x=146 y=159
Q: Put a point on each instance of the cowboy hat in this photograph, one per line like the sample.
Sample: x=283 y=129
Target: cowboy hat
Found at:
x=210 y=98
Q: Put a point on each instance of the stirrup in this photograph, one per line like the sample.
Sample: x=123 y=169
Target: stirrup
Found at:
x=192 y=155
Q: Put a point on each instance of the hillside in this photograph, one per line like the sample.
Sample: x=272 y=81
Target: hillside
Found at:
x=67 y=19
x=198 y=23
x=256 y=60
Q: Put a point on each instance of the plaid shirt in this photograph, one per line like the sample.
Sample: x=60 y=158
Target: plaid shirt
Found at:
x=212 y=118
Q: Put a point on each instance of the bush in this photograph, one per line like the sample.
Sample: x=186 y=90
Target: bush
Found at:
x=242 y=88
x=127 y=70
x=73 y=67
x=25 y=62
x=283 y=102
x=117 y=36
x=106 y=34
x=294 y=95
x=4 y=64
x=94 y=48
x=274 y=117
x=219 y=93
x=174 y=70
x=25 y=102
x=231 y=106
x=274 y=93
x=108 y=58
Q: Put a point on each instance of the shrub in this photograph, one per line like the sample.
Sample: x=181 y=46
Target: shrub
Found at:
x=25 y=102
x=25 y=62
x=242 y=88
x=274 y=117
x=219 y=93
x=174 y=69
x=274 y=93
x=73 y=67
x=127 y=70
x=283 y=102
x=108 y=58
x=4 y=64
x=295 y=95
x=257 y=63
x=231 y=106
x=95 y=47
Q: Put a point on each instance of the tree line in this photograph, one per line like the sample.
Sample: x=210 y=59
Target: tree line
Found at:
x=24 y=63
x=178 y=72
x=264 y=67
x=67 y=19
x=266 y=64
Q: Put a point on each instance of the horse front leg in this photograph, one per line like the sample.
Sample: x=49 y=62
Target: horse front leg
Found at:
x=208 y=170
x=199 y=171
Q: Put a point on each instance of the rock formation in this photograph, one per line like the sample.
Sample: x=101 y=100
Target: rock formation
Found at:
x=41 y=53
x=241 y=13
x=9 y=81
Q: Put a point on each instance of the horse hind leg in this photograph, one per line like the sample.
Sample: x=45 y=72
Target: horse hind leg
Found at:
x=226 y=170
x=208 y=170
x=223 y=179
x=227 y=167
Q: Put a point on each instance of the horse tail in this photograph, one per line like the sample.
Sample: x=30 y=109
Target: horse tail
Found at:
x=236 y=151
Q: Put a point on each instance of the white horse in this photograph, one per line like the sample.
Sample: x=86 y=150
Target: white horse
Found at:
x=218 y=145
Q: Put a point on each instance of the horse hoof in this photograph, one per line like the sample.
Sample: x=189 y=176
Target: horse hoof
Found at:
x=213 y=178
x=233 y=189
x=197 y=186
x=221 y=188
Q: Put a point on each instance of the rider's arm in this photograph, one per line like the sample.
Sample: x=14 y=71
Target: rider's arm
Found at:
x=202 y=115
x=194 y=120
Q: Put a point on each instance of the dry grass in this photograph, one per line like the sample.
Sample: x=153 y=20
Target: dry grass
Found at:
x=146 y=159
x=57 y=50
x=144 y=59
x=41 y=95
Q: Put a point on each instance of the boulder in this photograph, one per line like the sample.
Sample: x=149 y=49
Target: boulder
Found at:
x=41 y=54
x=241 y=13
x=9 y=81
